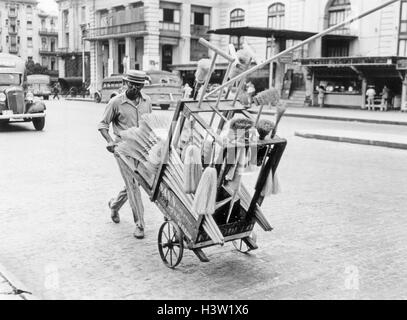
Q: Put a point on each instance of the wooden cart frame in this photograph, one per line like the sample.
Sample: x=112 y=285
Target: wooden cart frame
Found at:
x=181 y=227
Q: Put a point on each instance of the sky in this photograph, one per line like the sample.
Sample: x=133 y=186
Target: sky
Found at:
x=48 y=5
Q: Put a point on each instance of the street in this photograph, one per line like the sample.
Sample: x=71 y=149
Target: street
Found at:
x=339 y=224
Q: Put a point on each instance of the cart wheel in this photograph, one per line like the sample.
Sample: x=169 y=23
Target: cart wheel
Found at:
x=170 y=244
x=242 y=246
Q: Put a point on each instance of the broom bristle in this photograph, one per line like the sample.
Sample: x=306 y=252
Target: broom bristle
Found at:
x=205 y=196
x=192 y=169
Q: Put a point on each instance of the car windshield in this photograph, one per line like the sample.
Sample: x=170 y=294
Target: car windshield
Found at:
x=10 y=78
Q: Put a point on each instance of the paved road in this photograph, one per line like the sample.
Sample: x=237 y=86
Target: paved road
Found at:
x=339 y=223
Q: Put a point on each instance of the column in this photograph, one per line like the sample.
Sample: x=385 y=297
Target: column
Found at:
x=113 y=63
x=183 y=51
x=364 y=88
x=130 y=52
x=404 y=94
x=151 y=56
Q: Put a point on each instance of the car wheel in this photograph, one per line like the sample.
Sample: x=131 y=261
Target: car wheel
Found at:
x=39 y=123
x=165 y=106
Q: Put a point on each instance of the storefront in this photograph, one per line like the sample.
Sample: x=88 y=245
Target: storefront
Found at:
x=346 y=79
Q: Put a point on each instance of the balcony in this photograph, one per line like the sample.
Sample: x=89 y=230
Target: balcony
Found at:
x=13 y=50
x=47 y=52
x=116 y=31
x=170 y=29
x=199 y=31
x=48 y=32
x=12 y=31
x=12 y=14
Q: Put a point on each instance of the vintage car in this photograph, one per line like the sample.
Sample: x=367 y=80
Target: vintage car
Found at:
x=16 y=103
x=164 y=88
x=39 y=85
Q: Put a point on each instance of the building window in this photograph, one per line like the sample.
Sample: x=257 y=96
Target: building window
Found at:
x=29 y=42
x=29 y=25
x=52 y=64
x=6 y=22
x=7 y=38
x=198 y=51
x=169 y=19
x=18 y=40
x=44 y=61
x=44 y=43
x=338 y=11
x=276 y=16
x=237 y=20
x=402 y=49
x=29 y=9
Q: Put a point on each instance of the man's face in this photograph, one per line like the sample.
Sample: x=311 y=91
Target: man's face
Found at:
x=133 y=89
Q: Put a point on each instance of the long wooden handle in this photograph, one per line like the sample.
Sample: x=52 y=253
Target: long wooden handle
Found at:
x=215 y=49
x=301 y=44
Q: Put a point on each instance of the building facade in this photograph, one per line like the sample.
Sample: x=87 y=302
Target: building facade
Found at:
x=73 y=51
x=157 y=34
x=48 y=39
x=28 y=32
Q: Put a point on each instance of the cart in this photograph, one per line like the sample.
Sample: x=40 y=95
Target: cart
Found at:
x=181 y=228
x=237 y=211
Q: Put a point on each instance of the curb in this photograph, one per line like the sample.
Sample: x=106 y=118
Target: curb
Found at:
x=80 y=99
x=347 y=119
x=19 y=288
x=369 y=142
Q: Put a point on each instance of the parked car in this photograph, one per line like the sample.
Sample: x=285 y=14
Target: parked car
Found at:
x=16 y=103
x=39 y=85
x=163 y=87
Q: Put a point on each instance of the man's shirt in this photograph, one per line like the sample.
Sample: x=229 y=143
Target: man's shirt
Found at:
x=371 y=93
x=123 y=113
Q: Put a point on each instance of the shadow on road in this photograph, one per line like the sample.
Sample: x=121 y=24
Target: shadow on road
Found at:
x=17 y=127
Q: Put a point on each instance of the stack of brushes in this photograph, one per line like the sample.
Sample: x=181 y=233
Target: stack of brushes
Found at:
x=146 y=144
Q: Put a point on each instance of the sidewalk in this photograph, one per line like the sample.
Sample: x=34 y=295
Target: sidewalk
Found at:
x=11 y=288
x=356 y=137
x=342 y=114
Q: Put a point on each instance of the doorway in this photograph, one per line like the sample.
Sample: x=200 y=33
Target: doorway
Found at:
x=166 y=57
x=121 y=52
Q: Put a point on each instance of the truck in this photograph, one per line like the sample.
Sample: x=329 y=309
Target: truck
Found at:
x=17 y=104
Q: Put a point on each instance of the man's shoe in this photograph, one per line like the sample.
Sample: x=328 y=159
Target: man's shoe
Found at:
x=115 y=214
x=139 y=232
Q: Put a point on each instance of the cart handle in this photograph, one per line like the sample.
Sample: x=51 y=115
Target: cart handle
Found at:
x=217 y=50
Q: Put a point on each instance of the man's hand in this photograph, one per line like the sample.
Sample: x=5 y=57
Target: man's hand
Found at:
x=111 y=146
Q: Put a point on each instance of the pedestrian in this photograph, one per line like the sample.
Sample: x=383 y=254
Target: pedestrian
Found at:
x=370 y=93
x=55 y=91
x=187 y=91
x=124 y=112
x=321 y=96
x=385 y=98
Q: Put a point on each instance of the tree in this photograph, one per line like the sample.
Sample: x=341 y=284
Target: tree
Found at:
x=35 y=68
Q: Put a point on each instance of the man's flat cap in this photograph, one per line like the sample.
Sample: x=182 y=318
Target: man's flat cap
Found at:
x=135 y=76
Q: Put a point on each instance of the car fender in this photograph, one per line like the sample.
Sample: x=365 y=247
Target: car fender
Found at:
x=36 y=107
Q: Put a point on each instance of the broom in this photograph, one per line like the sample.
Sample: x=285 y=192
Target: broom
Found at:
x=272 y=185
x=192 y=165
x=205 y=196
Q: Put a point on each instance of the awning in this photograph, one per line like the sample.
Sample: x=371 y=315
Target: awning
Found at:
x=263 y=33
x=276 y=33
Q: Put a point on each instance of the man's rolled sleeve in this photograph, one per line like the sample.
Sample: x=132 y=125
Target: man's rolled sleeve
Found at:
x=108 y=117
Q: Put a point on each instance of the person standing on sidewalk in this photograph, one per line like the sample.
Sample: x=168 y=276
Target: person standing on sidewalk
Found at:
x=321 y=96
x=370 y=93
x=124 y=112
x=385 y=98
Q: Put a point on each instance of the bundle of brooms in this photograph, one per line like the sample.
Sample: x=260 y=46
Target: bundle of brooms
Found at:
x=145 y=144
